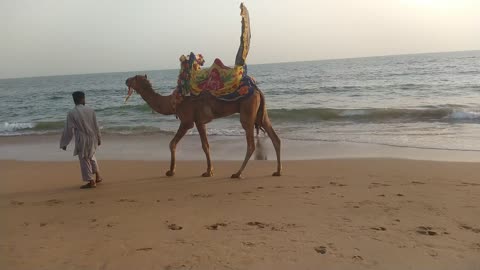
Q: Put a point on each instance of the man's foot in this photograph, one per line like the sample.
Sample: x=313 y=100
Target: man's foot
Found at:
x=90 y=184
x=99 y=180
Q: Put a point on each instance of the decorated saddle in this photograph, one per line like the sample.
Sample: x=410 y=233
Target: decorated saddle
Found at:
x=222 y=82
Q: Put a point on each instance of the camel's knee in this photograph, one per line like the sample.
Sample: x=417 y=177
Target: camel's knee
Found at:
x=172 y=145
x=206 y=147
x=279 y=142
x=251 y=148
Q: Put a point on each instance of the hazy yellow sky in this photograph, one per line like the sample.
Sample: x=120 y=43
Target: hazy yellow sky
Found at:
x=65 y=36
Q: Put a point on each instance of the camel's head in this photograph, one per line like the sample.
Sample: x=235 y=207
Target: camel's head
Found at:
x=135 y=83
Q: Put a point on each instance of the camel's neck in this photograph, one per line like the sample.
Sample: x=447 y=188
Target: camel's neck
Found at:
x=159 y=103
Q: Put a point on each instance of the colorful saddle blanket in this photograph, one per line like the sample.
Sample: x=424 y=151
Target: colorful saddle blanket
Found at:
x=224 y=83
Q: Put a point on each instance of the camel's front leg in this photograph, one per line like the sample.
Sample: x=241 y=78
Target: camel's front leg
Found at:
x=206 y=148
x=249 y=132
x=182 y=130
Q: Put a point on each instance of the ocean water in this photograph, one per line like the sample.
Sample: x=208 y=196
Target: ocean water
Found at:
x=421 y=101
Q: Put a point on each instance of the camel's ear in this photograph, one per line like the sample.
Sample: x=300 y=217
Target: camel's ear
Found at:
x=145 y=76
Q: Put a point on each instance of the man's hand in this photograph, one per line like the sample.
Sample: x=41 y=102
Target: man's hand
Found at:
x=64 y=148
x=99 y=142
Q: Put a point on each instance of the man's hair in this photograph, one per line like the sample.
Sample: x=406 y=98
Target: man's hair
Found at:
x=78 y=96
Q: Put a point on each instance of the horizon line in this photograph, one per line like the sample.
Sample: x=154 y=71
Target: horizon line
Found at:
x=259 y=64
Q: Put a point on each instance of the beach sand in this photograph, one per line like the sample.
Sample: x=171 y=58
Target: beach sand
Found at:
x=321 y=214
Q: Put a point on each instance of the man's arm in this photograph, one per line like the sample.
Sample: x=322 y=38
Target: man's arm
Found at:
x=97 y=130
x=67 y=132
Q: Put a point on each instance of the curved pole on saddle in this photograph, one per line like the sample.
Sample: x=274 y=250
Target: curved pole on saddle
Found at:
x=244 y=38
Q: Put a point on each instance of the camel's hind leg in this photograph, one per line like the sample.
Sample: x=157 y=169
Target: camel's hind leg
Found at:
x=267 y=125
x=249 y=132
x=206 y=148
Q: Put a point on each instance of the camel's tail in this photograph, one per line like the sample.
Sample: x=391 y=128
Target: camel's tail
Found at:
x=261 y=114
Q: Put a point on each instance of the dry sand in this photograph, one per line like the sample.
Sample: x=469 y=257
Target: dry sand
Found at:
x=329 y=214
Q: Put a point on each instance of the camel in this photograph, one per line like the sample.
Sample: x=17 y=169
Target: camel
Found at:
x=201 y=108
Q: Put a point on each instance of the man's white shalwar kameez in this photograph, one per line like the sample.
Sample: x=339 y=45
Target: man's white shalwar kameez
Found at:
x=82 y=122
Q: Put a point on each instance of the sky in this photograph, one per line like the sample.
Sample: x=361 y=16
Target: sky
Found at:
x=57 y=37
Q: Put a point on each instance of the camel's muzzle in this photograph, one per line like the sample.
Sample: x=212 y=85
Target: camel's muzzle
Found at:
x=129 y=93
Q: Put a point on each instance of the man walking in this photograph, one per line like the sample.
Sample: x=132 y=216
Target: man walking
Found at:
x=82 y=122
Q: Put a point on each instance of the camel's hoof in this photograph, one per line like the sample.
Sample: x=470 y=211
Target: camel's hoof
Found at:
x=170 y=173
x=276 y=174
x=207 y=174
x=236 y=176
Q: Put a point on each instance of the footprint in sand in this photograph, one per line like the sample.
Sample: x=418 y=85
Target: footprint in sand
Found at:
x=201 y=195
x=315 y=187
x=279 y=228
x=174 y=227
x=469 y=228
x=126 y=200
x=417 y=183
x=90 y=202
x=278 y=186
x=144 y=249
x=468 y=184
x=357 y=258
x=53 y=202
x=259 y=225
x=13 y=202
x=320 y=249
x=215 y=226
x=379 y=228
x=426 y=230
x=43 y=224
x=177 y=267
x=333 y=183
x=259 y=187
x=377 y=185
x=248 y=244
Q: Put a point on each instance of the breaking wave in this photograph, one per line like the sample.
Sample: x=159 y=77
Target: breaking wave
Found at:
x=376 y=115
x=19 y=128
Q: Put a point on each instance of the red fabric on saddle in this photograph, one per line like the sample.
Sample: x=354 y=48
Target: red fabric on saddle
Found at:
x=220 y=63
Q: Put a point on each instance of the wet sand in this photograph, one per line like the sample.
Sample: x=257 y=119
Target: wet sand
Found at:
x=329 y=214
x=155 y=147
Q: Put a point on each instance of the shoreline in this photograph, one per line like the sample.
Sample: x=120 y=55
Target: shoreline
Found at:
x=155 y=147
